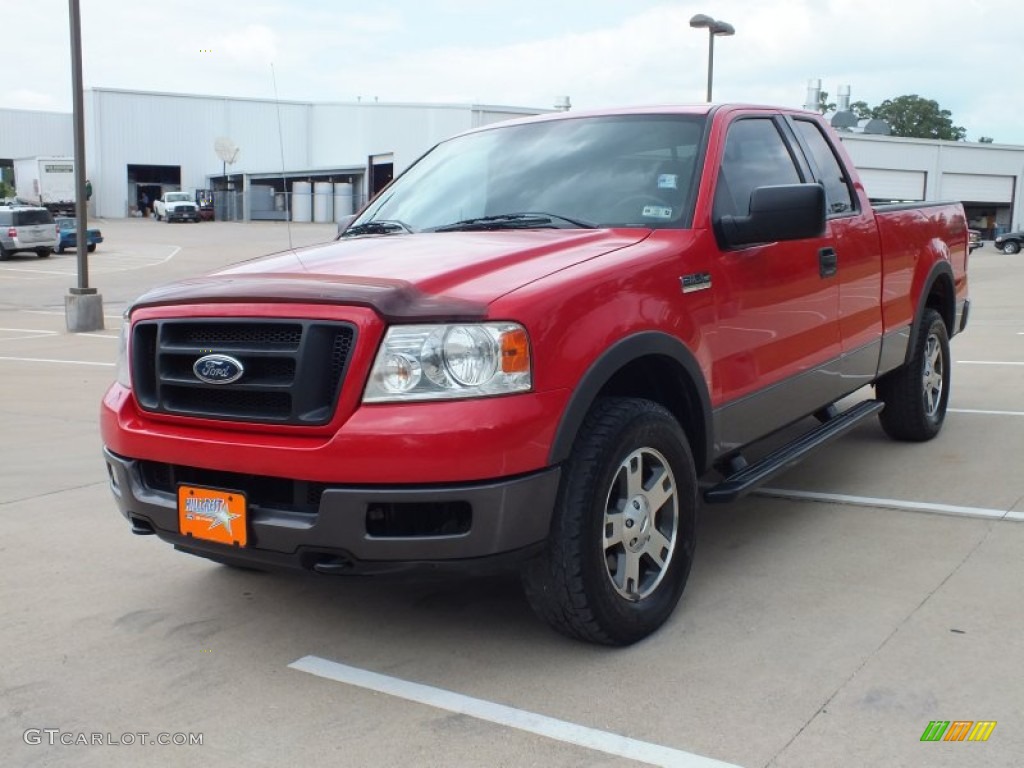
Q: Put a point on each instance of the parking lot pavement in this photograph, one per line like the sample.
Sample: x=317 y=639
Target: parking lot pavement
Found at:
x=814 y=631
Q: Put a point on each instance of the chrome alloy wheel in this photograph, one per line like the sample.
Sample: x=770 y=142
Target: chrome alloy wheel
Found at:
x=641 y=522
x=932 y=376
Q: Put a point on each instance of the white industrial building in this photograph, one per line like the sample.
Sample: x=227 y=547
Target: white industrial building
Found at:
x=143 y=143
x=322 y=160
x=987 y=178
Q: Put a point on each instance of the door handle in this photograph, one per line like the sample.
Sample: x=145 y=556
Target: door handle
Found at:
x=828 y=262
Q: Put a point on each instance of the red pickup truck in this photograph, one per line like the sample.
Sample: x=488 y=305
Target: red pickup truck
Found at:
x=528 y=349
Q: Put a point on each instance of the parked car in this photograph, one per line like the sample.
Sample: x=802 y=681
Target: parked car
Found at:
x=1011 y=242
x=974 y=239
x=26 y=228
x=176 y=206
x=68 y=229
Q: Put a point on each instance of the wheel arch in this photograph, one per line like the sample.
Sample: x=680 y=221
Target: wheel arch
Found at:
x=651 y=365
x=939 y=294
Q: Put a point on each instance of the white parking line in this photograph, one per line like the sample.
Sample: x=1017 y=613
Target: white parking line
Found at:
x=913 y=506
x=560 y=730
x=989 y=362
x=986 y=413
x=61 y=312
x=61 y=362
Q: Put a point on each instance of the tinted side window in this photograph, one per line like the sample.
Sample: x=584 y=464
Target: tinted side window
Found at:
x=837 y=188
x=5 y=218
x=755 y=156
x=27 y=218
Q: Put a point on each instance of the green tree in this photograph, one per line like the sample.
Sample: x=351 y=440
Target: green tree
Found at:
x=861 y=109
x=917 y=117
x=824 y=105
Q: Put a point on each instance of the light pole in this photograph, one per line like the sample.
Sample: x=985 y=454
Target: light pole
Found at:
x=714 y=27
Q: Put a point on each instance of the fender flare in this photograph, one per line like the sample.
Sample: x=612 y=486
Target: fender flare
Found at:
x=939 y=271
x=611 y=361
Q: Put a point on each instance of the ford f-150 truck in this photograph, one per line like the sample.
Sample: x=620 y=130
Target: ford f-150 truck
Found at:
x=530 y=348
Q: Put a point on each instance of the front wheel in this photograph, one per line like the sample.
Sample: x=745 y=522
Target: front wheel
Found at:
x=1011 y=247
x=622 y=537
x=916 y=393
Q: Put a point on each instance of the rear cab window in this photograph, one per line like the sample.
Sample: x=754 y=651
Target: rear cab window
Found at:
x=838 y=196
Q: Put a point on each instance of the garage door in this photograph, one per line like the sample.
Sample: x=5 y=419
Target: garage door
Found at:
x=977 y=188
x=883 y=184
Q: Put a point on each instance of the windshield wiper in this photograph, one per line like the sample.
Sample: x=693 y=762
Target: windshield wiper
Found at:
x=526 y=220
x=378 y=227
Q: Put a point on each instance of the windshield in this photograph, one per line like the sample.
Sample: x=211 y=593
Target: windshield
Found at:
x=617 y=171
x=179 y=197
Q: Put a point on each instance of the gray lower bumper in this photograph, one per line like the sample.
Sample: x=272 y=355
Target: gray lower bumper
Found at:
x=507 y=516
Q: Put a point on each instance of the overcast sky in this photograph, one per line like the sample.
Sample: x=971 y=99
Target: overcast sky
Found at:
x=965 y=54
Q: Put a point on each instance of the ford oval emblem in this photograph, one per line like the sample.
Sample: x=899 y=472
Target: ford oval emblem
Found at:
x=218 y=369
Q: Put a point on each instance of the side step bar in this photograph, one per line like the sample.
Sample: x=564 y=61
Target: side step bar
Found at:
x=753 y=475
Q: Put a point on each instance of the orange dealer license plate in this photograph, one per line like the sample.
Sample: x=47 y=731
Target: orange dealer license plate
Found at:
x=212 y=515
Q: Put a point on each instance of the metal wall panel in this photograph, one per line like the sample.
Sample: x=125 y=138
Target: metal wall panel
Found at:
x=26 y=133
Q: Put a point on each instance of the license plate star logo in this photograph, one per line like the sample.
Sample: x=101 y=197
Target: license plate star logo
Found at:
x=223 y=517
x=215 y=511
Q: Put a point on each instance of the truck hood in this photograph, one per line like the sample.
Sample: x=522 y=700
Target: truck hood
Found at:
x=434 y=276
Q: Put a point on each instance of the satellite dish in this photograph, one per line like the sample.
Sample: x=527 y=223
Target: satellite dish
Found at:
x=226 y=150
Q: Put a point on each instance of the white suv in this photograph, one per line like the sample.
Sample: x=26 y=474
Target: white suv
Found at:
x=27 y=228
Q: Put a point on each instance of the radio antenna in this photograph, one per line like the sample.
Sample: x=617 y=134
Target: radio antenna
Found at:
x=280 y=142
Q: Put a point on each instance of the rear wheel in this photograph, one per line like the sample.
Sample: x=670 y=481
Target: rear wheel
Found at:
x=916 y=394
x=4 y=254
x=622 y=536
x=60 y=249
x=91 y=247
x=1011 y=247
x=43 y=253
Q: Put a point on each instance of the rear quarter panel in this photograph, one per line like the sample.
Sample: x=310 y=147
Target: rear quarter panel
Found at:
x=915 y=239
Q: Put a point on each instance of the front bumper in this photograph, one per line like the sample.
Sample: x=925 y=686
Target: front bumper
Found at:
x=346 y=531
x=186 y=215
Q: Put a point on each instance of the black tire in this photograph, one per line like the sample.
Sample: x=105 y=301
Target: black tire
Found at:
x=60 y=249
x=1011 y=247
x=916 y=394
x=157 y=216
x=91 y=247
x=579 y=585
x=4 y=254
x=43 y=253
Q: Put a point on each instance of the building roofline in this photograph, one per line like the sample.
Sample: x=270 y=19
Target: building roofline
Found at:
x=305 y=103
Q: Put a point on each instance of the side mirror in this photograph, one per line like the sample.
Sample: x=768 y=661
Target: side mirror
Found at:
x=784 y=212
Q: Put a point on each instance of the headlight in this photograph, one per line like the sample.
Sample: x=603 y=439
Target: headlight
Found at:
x=443 y=362
x=124 y=369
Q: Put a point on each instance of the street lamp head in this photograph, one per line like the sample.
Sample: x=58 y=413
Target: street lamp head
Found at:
x=722 y=28
x=702 y=20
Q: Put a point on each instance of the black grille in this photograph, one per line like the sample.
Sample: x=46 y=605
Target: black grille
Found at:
x=275 y=493
x=293 y=370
